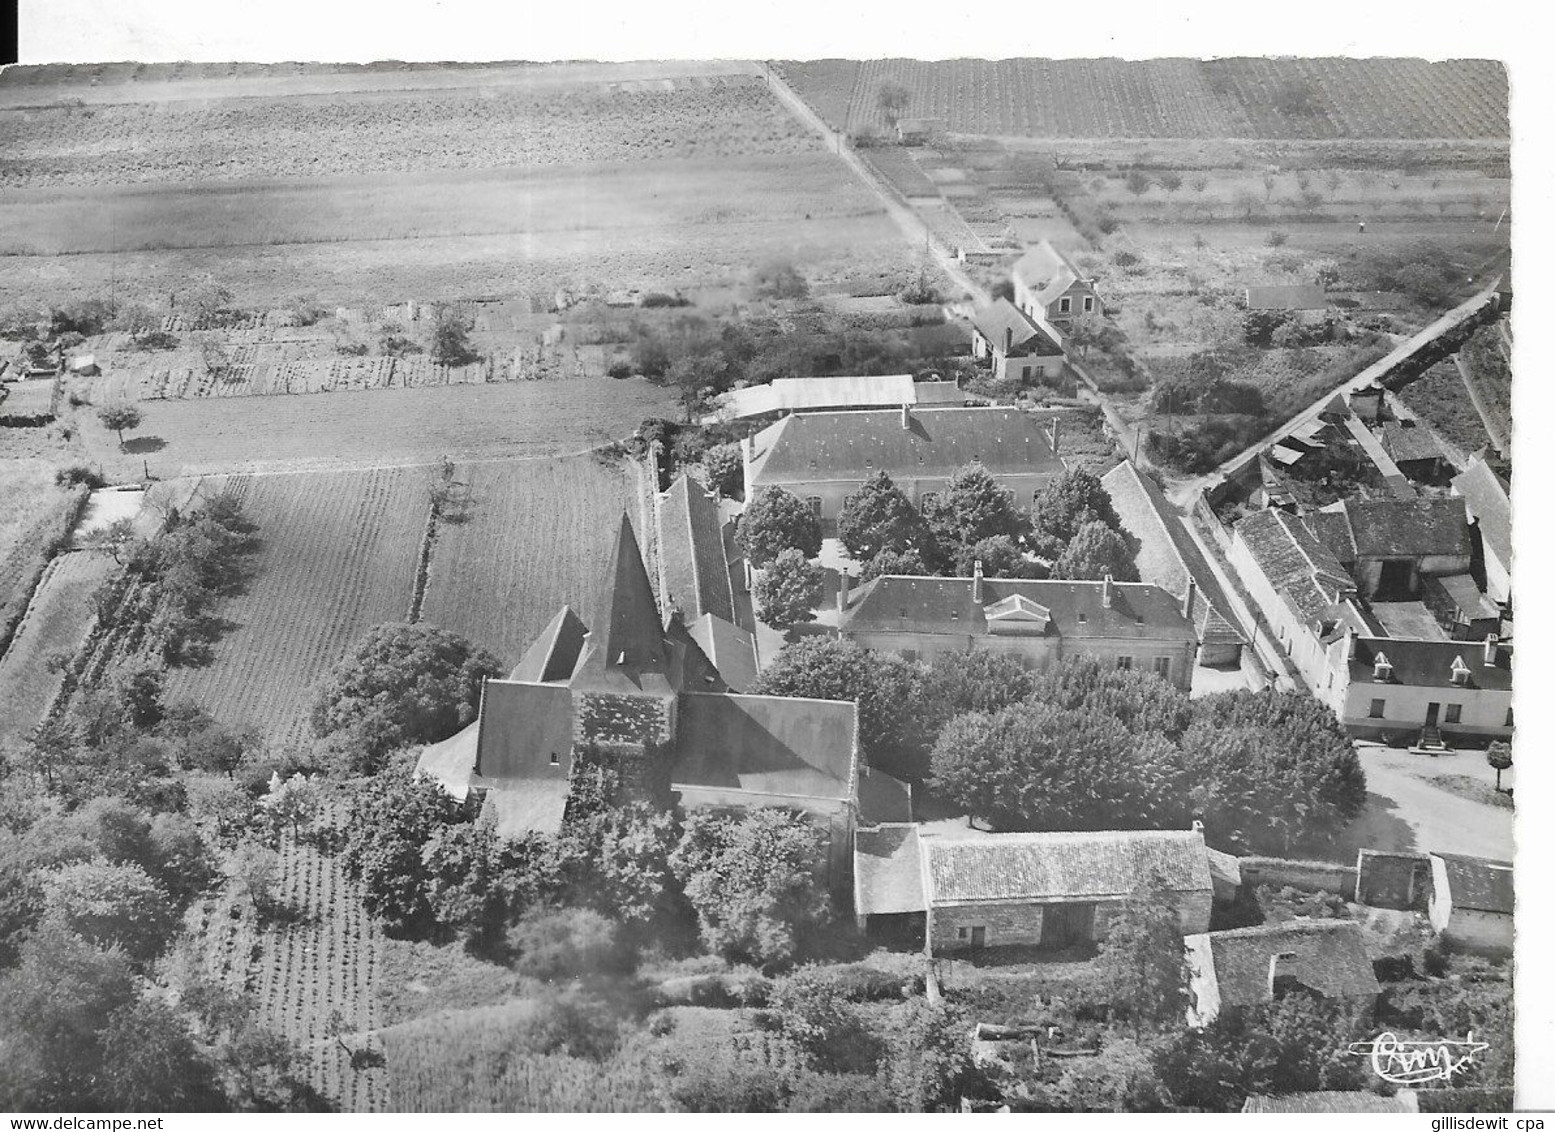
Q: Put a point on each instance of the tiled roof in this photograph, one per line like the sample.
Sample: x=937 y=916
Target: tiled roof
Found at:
x=1397 y=528
x=1300 y=297
x=1046 y=271
x=993 y=321
x=1464 y=593
x=625 y=649
x=1049 y=866
x=1168 y=556
x=521 y=726
x=696 y=577
x=1333 y=1101
x=809 y=447
x=1429 y=664
x=1479 y=883
x=730 y=649
x=1294 y=562
x=897 y=603
x=1327 y=955
x=1490 y=504
x=554 y=653
x=887 y=871
x=767 y=745
x=1405 y=444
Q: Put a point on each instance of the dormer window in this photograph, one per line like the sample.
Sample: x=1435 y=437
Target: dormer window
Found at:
x=1381 y=668
x=1460 y=672
x=556 y=760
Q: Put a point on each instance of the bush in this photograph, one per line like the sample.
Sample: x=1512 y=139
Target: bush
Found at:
x=568 y=942
x=620 y=369
x=655 y=299
x=1275 y=239
x=1125 y=258
x=77 y=474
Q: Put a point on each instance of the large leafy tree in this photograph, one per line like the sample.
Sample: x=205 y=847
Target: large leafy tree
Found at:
x=1142 y=958
x=1067 y=503
x=775 y=521
x=723 y=469
x=885 y=687
x=972 y=508
x=931 y=1067
x=1031 y=766
x=752 y=880
x=1095 y=552
x=393 y=818
x=1001 y=556
x=789 y=589
x=879 y=517
x=1271 y=771
x=112 y=906
x=908 y=562
x=1140 y=700
x=978 y=681
x=402 y=684
x=617 y=859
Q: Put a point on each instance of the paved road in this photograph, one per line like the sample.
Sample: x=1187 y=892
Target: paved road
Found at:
x=906 y=219
x=1407 y=811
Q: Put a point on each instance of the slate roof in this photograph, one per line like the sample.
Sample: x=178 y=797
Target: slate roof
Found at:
x=730 y=649
x=1167 y=555
x=1480 y=884
x=1296 y=564
x=888 y=871
x=1464 y=593
x=882 y=798
x=767 y=745
x=626 y=649
x=1299 y=297
x=1046 y=271
x=847 y=446
x=451 y=762
x=521 y=726
x=1058 y=866
x=899 y=603
x=1489 y=502
x=1428 y=664
x=554 y=653
x=1407 y=444
x=696 y=577
x=1333 y=1101
x=1327 y=955
x=992 y=322
x=1394 y=528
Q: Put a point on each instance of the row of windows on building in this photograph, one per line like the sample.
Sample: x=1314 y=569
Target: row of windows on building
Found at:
x=1451 y=713
x=1066 y=305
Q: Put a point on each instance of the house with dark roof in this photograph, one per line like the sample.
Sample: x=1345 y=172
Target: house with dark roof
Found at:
x=1049 y=286
x=1016 y=345
x=636 y=689
x=1386 y=687
x=1168 y=557
x=1122 y=624
x=1488 y=503
x=696 y=581
x=1416 y=452
x=1334 y=1102
x=825 y=457
x=1389 y=546
x=1472 y=901
x=1024 y=889
x=1251 y=967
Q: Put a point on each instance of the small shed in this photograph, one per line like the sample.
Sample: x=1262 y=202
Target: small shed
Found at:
x=917 y=131
x=1471 y=902
x=85 y=365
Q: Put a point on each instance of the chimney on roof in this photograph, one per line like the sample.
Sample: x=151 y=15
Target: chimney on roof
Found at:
x=1187 y=600
x=1280 y=970
x=1009 y=340
x=1053 y=436
x=842 y=591
x=1106 y=591
x=1381 y=668
x=1460 y=672
x=977 y=581
x=907 y=416
x=1492 y=650
x=1198 y=827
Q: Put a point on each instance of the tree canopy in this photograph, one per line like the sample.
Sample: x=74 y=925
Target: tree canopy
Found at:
x=1064 y=505
x=1142 y=959
x=878 y=517
x=775 y=521
x=972 y=508
x=1096 y=552
x=402 y=684
x=789 y=589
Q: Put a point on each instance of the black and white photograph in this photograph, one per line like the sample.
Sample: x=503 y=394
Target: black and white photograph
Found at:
x=825 y=565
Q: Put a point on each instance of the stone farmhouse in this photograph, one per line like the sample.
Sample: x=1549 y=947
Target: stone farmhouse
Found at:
x=1050 y=287
x=1168 y=557
x=966 y=892
x=1018 y=346
x=1122 y=624
x=825 y=457
x=1250 y=967
x=637 y=690
x=1471 y=902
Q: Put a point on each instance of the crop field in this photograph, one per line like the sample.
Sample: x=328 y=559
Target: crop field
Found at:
x=56 y=622
x=431 y=193
x=320 y=958
x=529 y=536
x=377 y=427
x=1438 y=396
x=33 y=510
x=1176 y=98
x=338 y=556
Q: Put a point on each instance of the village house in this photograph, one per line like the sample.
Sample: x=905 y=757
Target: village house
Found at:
x=1471 y=902
x=818 y=394
x=1054 y=890
x=1168 y=557
x=1389 y=546
x=918 y=131
x=1415 y=452
x=825 y=457
x=1307 y=301
x=1121 y=624
x=1051 y=288
x=1017 y=346
x=637 y=690
x=1251 y=967
x=1489 y=508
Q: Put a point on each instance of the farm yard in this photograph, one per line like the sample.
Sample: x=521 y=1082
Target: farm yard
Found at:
x=1176 y=98
x=521 y=539
x=338 y=556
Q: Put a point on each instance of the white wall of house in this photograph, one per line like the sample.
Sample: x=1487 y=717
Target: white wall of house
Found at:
x=1482 y=711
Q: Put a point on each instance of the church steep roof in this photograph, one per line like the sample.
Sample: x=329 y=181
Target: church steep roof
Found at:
x=626 y=649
